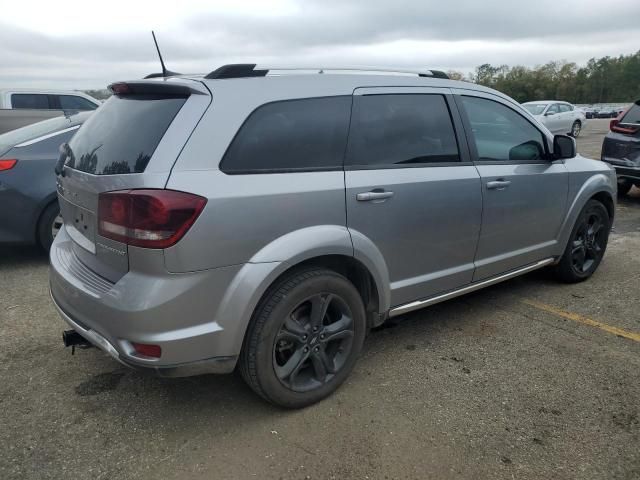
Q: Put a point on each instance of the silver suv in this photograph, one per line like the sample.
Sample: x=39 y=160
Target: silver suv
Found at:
x=267 y=219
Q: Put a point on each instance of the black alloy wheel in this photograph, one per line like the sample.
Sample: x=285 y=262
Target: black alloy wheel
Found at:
x=589 y=242
x=313 y=342
x=304 y=337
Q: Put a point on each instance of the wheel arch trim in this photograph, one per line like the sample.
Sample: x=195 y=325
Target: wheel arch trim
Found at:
x=255 y=277
x=595 y=185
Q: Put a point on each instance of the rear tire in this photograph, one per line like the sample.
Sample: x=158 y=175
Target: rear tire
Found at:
x=586 y=245
x=304 y=338
x=48 y=225
x=624 y=186
x=576 y=128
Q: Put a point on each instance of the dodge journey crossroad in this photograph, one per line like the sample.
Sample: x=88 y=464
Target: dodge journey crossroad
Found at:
x=265 y=220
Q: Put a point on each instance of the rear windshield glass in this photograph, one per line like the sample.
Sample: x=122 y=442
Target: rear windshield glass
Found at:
x=123 y=134
x=633 y=115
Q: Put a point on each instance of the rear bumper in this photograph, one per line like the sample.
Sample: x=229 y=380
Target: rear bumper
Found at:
x=178 y=312
x=211 y=365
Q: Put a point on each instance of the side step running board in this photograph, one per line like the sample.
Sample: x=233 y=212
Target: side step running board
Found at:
x=409 y=307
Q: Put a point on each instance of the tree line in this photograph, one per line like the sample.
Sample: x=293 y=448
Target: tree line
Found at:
x=601 y=80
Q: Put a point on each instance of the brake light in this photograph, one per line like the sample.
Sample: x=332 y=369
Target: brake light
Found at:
x=119 y=88
x=7 y=164
x=147 y=218
x=615 y=126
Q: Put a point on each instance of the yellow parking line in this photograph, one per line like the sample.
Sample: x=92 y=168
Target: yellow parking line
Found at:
x=584 y=320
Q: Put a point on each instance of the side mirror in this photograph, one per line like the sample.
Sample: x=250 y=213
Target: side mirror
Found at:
x=564 y=146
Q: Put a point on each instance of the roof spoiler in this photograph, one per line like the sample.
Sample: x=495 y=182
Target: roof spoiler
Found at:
x=150 y=88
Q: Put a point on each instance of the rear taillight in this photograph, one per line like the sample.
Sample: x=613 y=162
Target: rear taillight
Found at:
x=147 y=218
x=614 y=126
x=7 y=164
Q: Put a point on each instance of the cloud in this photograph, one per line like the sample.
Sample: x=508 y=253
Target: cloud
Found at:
x=411 y=33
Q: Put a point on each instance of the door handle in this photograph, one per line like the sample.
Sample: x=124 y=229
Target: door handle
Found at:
x=373 y=196
x=498 y=184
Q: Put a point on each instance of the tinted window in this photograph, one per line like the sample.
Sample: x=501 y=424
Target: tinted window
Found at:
x=71 y=102
x=500 y=133
x=122 y=135
x=291 y=135
x=29 y=100
x=401 y=130
x=632 y=115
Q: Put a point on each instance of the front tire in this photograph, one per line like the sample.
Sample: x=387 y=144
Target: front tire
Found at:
x=587 y=244
x=304 y=338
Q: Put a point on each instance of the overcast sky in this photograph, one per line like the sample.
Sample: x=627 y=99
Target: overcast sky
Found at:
x=88 y=44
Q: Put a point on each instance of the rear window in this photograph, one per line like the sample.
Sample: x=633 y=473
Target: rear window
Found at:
x=123 y=134
x=401 y=130
x=307 y=134
x=633 y=115
x=30 y=100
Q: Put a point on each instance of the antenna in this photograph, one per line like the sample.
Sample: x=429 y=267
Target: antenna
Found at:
x=165 y=72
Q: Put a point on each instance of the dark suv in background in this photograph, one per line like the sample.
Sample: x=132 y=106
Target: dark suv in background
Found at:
x=621 y=148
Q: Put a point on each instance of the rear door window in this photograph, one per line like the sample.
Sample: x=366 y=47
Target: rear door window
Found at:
x=122 y=135
x=401 y=130
x=633 y=115
x=306 y=134
x=30 y=101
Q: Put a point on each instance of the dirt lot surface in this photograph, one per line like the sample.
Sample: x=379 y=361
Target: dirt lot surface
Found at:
x=528 y=379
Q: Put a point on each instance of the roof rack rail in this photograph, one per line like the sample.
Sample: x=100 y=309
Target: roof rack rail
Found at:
x=360 y=69
x=242 y=70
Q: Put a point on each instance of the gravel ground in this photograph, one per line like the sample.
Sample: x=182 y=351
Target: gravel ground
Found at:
x=527 y=379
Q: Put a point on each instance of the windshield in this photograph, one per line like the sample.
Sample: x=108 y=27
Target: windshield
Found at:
x=535 y=108
x=14 y=137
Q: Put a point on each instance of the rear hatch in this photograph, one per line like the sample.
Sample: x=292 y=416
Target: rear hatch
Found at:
x=621 y=146
x=131 y=142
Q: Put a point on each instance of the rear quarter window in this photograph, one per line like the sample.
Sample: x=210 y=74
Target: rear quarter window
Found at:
x=121 y=136
x=305 y=134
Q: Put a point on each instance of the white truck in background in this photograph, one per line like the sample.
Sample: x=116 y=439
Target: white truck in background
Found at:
x=21 y=106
